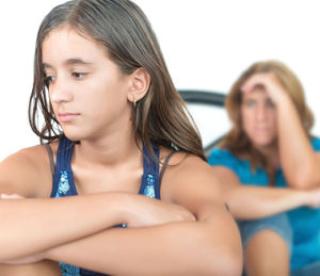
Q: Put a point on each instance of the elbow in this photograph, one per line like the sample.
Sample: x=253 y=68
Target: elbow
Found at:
x=305 y=180
x=221 y=256
x=228 y=263
x=8 y=254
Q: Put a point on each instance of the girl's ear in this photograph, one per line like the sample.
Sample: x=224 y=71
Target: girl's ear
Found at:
x=139 y=85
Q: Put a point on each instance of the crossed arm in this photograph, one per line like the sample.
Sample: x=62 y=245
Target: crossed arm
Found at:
x=210 y=245
x=186 y=248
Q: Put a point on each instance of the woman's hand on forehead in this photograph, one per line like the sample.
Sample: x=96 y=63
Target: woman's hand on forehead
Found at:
x=267 y=82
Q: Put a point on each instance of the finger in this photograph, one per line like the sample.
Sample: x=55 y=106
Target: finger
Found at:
x=254 y=82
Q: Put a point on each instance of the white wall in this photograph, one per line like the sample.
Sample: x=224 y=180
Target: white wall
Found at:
x=206 y=43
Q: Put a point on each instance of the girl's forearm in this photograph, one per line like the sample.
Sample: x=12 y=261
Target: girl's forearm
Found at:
x=29 y=226
x=187 y=248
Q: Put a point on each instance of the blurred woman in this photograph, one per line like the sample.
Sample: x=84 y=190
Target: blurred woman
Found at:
x=269 y=165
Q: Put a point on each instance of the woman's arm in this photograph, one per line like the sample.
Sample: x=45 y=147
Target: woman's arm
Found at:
x=249 y=202
x=298 y=160
x=209 y=246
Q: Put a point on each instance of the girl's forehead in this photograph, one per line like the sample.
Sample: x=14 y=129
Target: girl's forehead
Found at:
x=65 y=42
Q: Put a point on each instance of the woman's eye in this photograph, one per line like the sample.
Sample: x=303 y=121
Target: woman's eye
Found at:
x=250 y=103
x=270 y=103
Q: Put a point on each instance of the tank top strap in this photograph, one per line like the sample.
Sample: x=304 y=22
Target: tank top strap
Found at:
x=150 y=185
x=63 y=183
x=64 y=154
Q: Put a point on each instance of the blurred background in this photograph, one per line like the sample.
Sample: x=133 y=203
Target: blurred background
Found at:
x=206 y=44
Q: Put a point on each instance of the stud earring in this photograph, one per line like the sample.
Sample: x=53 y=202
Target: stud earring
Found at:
x=134 y=102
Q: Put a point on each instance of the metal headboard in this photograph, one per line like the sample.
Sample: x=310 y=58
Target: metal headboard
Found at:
x=211 y=98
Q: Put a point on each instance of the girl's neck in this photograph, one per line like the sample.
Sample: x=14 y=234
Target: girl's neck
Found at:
x=111 y=150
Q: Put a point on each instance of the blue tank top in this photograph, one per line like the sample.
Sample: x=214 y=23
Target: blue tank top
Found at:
x=63 y=185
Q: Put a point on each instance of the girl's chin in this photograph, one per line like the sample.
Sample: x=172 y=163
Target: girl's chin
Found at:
x=73 y=136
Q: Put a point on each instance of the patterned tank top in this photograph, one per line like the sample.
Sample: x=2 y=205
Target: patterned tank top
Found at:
x=63 y=185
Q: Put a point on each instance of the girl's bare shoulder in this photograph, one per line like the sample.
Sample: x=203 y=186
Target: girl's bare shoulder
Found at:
x=186 y=171
x=27 y=172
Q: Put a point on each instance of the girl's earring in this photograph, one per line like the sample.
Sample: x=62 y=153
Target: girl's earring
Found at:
x=134 y=102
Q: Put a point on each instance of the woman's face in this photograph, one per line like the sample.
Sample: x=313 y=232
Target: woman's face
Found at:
x=88 y=92
x=258 y=115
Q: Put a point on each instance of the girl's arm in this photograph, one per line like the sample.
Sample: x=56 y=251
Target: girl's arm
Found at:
x=298 y=160
x=172 y=249
x=249 y=202
x=209 y=246
x=31 y=226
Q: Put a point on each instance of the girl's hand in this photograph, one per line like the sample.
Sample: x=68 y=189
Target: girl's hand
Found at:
x=27 y=260
x=11 y=196
x=271 y=85
x=150 y=212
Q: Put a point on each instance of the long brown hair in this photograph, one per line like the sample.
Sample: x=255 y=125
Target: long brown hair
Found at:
x=161 y=116
x=236 y=139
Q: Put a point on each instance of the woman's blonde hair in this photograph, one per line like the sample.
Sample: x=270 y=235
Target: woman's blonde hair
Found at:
x=236 y=139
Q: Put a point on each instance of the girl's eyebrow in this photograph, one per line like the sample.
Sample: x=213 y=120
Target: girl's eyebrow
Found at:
x=71 y=61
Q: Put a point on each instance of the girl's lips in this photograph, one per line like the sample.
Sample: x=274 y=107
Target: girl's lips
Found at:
x=67 y=117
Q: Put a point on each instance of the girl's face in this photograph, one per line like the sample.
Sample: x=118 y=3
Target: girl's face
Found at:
x=258 y=116
x=88 y=92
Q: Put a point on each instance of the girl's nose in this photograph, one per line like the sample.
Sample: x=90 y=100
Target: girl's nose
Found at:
x=60 y=92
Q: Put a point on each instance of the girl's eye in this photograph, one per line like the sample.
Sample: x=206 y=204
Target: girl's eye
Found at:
x=48 y=80
x=78 y=75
